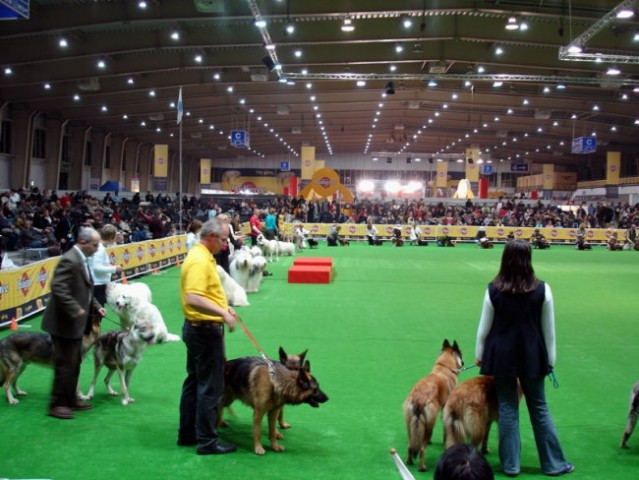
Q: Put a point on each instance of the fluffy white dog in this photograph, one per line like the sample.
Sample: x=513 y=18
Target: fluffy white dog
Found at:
x=256 y=251
x=240 y=266
x=132 y=303
x=269 y=247
x=286 y=248
x=235 y=294
x=258 y=264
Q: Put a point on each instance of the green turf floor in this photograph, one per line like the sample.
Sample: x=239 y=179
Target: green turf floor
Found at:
x=371 y=335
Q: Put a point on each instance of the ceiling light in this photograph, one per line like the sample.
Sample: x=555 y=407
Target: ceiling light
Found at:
x=290 y=28
x=175 y=35
x=63 y=43
x=348 y=26
x=575 y=49
x=101 y=64
x=432 y=83
x=481 y=69
x=399 y=48
x=47 y=86
x=361 y=83
x=392 y=68
x=499 y=50
x=407 y=21
x=142 y=5
x=512 y=24
x=76 y=97
x=498 y=84
x=635 y=37
x=613 y=71
x=198 y=58
x=260 y=22
x=130 y=81
x=297 y=53
x=269 y=46
x=625 y=12
x=278 y=66
x=8 y=71
x=216 y=76
x=229 y=89
x=523 y=26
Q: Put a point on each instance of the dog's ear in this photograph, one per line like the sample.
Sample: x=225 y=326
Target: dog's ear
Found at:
x=456 y=347
x=283 y=356
x=446 y=344
x=306 y=365
x=304 y=378
x=303 y=356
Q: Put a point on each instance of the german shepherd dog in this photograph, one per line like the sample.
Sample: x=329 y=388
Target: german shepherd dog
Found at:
x=632 y=415
x=427 y=398
x=292 y=362
x=120 y=351
x=267 y=388
x=20 y=349
x=469 y=412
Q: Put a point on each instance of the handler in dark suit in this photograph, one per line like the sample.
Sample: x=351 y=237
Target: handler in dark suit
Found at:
x=66 y=319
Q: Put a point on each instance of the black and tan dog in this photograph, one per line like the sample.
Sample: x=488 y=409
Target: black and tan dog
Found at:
x=267 y=388
x=292 y=362
x=312 y=243
x=427 y=398
x=470 y=411
x=20 y=349
x=632 y=415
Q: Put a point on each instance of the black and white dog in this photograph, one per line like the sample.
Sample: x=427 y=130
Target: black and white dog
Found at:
x=632 y=415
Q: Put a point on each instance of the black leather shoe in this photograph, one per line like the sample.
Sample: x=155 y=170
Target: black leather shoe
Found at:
x=217 y=449
x=82 y=406
x=65 y=413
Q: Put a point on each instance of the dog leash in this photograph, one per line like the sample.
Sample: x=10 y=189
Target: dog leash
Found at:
x=467 y=368
x=269 y=362
x=553 y=379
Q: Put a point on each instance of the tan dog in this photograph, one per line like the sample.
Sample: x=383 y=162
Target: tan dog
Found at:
x=427 y=398
x=469 y=412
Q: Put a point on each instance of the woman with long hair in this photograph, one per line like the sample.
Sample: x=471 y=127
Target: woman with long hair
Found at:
x=516 y=345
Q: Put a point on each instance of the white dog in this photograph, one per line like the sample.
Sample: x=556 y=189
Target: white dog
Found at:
x=133 y=306
x=256 y=273
x=116 y=291
x=269 y=247
x=256 y=251
x=240 y=266
x=286 y=248
x=235 y=294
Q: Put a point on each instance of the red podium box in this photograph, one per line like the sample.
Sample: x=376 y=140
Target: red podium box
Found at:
x=314 y=261
x=310 y=274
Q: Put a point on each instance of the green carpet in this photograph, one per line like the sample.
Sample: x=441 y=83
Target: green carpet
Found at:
x=371 y=335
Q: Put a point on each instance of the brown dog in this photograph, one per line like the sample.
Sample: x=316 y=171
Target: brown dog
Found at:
x=427 y=398
x=20 y=349
x=469 y=412
x=267 y=387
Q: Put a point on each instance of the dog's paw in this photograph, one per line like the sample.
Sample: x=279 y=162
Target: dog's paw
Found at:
x=21 y=393
x=172 y=337
x=259 y=450
x=277 y=447
x=285 y=425
x=279 y=435
x=13 y=401
x=127 y=401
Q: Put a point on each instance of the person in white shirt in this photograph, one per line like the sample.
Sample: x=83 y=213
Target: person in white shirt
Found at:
x=193 y=234
x=100 y=265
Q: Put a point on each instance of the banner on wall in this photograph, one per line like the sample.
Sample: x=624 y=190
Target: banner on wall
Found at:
x=26 y=291
x=205 y=171
x=160 y=167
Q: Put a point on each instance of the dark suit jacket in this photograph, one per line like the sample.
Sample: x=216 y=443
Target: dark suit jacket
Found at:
x=71 y=293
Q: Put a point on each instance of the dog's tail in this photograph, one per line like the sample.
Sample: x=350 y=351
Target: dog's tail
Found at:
x=454 y=432
x=418 y=426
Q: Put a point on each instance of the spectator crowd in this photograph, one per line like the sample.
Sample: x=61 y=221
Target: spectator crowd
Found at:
x=43 y=219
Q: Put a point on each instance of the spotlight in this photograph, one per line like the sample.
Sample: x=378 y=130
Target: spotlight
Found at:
x=390 y=88
x=268 y=62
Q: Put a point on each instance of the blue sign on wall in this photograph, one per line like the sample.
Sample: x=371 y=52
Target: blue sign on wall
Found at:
x=584 y=145
x=240 y=139
x=486 y=169
x=518 y=167
x=13 y=9
x=285 y=166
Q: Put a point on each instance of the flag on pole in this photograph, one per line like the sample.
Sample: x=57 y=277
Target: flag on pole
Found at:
x=180 y=108
x=403 y=471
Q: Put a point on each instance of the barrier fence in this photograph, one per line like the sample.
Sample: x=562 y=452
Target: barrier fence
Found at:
x=461 y=232
x=26 y=291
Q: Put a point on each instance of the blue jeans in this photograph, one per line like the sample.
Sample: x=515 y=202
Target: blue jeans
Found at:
x=204 y=385
x=551 y=456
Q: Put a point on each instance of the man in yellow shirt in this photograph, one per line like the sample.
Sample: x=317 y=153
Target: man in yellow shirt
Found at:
x=205 y=312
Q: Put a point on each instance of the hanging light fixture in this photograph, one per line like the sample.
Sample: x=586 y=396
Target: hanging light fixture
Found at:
x=348 y=26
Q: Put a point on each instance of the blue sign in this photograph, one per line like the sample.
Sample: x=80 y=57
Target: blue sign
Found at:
x=584 y=145
x=12 y=9
x=486 y=169
x=518 y=167
x=285 y=166
x=240 y=139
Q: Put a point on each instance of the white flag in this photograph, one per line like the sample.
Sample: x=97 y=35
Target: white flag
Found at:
x=180 y=108
x=403 y=471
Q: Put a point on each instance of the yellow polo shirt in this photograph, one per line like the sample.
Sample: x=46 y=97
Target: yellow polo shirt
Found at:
x=199 y=276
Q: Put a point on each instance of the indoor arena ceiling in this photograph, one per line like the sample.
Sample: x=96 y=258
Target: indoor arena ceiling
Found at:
x=416 y=78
